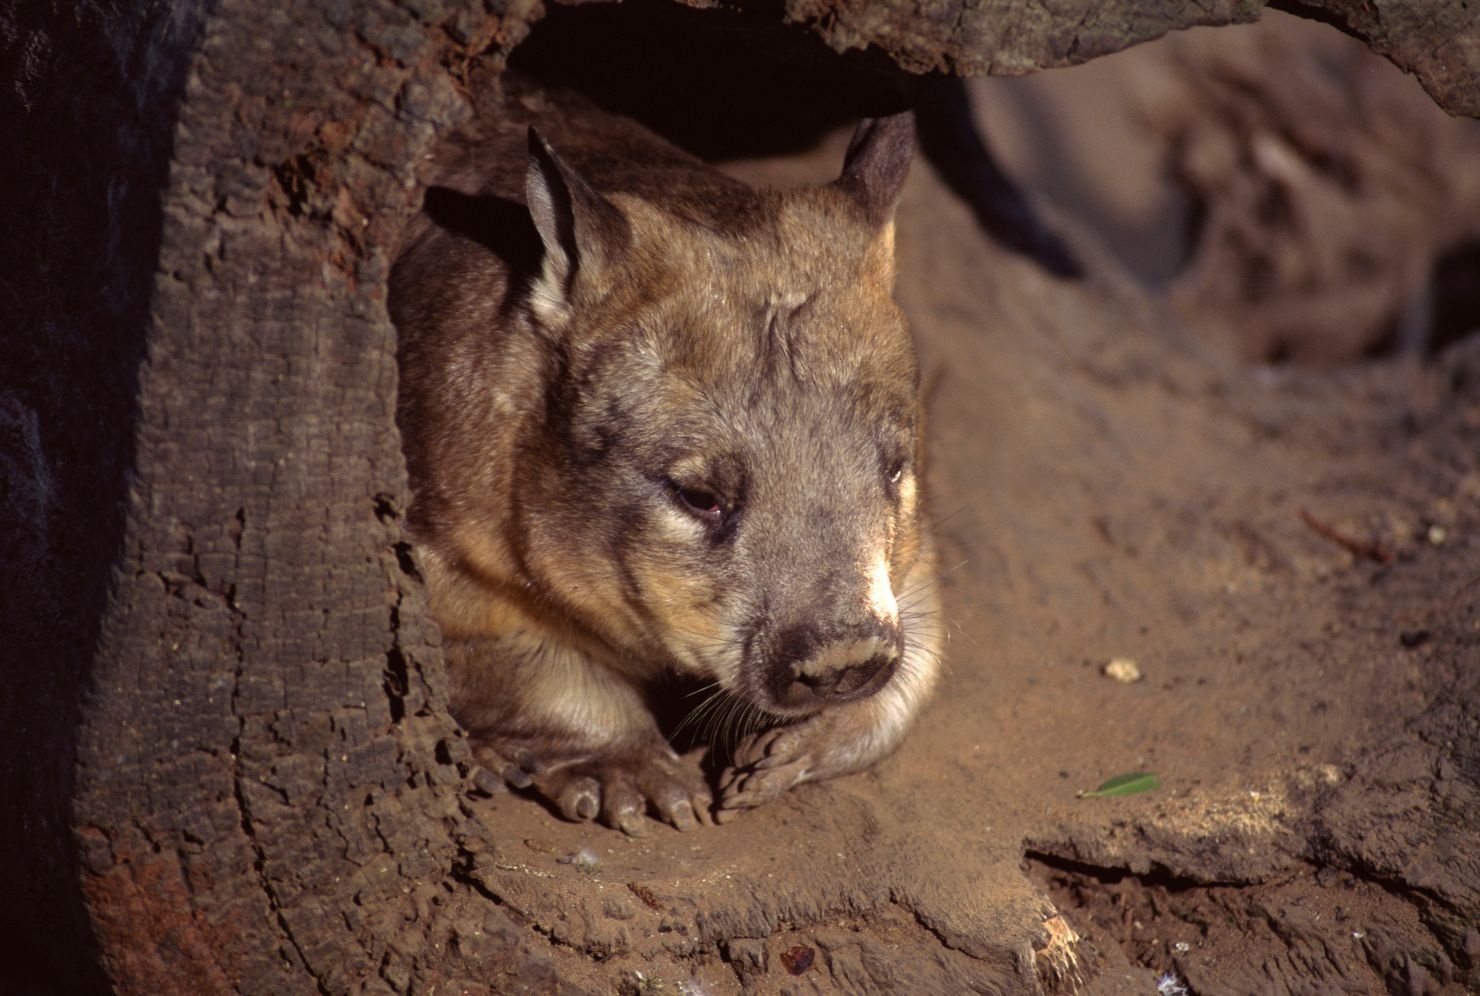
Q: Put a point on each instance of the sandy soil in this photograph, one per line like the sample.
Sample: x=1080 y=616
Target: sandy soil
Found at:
x=1290 y=556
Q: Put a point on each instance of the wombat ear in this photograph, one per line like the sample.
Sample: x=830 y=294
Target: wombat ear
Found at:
x=876 y=164
x=580 y=229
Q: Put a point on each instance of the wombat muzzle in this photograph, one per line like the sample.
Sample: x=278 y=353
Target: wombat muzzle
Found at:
x=808 y=669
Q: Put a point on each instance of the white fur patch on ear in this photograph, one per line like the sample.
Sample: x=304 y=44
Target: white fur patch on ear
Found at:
x=581 y=231
x=552 y=206
x=547 y=298
x=881 y=255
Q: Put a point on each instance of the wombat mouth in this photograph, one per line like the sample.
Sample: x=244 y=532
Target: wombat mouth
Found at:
x=802 y=669
x=788 y=694
x=856 y=681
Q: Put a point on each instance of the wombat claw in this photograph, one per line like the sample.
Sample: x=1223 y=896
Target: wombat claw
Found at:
x=498 y=773
x=621 y=790
x=618 y=790
x=767 y=766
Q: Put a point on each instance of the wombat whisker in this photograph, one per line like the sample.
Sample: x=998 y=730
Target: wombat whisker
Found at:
x=923 y=653
x=711 y=701
x=914 y=595
x=951 y=570
x=738 y=723
x=725 y=731
x=909 y=605
x=718 y=718
x=930 y=582
x=719 y=722
x=958 y=627
x=699 y=711
x=940 y=520
x=702 y=689
x=763 y=720
x=749 y=720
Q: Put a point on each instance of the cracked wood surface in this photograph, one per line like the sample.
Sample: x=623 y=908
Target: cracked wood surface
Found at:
x=1438 y=43
x=265 y=793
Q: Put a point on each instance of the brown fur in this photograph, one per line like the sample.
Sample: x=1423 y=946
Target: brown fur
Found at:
x=672 y=427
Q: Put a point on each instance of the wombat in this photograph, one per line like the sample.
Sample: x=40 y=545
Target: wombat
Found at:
x=657 y=421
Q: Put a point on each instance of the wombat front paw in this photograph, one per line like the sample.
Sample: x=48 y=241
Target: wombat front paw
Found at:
x=502 y=769
x=619 y=788
x=765 y=766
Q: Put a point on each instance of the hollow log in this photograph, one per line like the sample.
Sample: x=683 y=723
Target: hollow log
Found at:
x=226 y=745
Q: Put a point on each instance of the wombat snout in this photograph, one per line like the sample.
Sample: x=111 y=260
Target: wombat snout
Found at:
x=811 y=669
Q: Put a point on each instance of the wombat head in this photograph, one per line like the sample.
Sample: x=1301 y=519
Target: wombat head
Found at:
x=724 y=479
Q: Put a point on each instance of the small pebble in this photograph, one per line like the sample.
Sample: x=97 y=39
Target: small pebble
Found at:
x=1170 y=984
x=797 y=958
x=584 y=860
x=1123 y=669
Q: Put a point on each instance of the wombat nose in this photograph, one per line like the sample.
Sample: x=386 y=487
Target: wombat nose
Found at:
x=853 y=681
x=835 y=670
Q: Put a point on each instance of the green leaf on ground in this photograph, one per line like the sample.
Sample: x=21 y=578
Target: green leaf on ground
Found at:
x=1129 y=784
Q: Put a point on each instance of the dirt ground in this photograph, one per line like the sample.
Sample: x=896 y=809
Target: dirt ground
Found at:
x=1290 y=555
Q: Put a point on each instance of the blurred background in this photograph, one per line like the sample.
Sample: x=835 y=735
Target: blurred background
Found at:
x=1295 y=196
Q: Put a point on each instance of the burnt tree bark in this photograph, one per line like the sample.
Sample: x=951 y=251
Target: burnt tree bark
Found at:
x=227 y=759
x=230 y=697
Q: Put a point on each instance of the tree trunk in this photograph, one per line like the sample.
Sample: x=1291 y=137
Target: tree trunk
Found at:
x=226 y=731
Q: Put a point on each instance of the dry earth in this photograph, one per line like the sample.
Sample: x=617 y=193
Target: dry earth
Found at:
x=1291 y=557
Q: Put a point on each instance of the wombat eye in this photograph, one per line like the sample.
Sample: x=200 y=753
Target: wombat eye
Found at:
x=896 y=471
x=700 y=502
